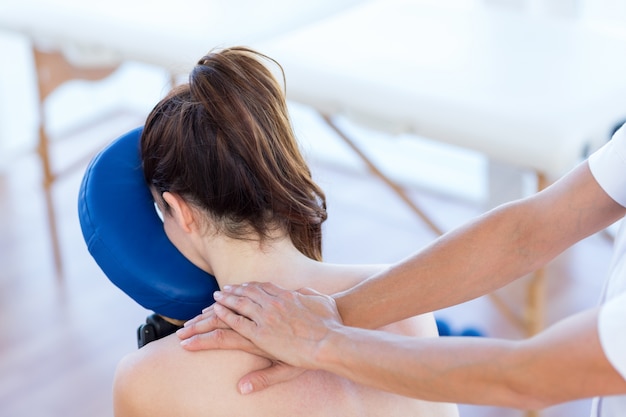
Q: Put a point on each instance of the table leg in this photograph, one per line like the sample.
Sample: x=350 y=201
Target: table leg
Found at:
x=52 y=70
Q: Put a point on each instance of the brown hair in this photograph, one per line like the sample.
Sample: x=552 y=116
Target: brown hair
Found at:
x=225 y=143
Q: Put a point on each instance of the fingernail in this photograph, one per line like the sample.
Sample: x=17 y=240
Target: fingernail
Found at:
x=246 y=388
x=185 y=342
x=218 y=295
x=227 y=287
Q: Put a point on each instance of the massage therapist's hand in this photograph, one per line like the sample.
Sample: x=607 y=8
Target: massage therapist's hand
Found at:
x=289 y=325
x=206 y=331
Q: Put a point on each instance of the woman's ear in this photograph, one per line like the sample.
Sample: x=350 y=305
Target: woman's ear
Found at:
x=180 y=211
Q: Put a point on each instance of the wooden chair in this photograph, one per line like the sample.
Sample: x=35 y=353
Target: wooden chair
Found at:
x=53 y=70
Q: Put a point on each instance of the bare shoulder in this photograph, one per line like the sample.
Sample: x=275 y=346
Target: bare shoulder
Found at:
x=132 y=386
x=138 y=387
x=163 y=379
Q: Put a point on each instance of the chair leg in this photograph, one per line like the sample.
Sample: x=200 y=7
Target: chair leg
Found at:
x=48 y=180
x=53 y=70
x=54 y=233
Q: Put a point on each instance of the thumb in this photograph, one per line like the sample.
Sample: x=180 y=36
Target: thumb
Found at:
x=263 y=378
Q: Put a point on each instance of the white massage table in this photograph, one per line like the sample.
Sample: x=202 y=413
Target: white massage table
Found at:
x=537 y=94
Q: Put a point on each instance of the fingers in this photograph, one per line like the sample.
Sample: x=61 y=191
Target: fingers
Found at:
x=208 y=321
x=252 y=289
x=247 y=299
x=203 y=323
x=239 y=323
x=219 y=339
x=208 y=330
x=250 y=298
x=259 y=380
x=257 y=291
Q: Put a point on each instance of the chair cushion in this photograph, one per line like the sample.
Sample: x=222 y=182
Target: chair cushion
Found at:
x=125 y=236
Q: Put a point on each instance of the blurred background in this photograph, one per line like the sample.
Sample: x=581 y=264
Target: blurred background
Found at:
x=64 y=326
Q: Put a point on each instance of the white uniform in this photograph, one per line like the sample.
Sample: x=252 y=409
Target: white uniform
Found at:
x=608 y=166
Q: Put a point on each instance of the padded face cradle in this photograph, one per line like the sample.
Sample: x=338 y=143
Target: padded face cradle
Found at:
x=126 y=238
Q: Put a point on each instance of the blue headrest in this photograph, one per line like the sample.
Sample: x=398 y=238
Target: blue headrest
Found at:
x=126 y=238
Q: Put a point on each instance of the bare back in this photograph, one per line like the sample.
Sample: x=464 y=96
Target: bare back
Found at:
x=163 y=379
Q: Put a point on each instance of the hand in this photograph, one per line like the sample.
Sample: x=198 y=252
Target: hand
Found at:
x=276 y=373
x=207 y=331
x=288 y=325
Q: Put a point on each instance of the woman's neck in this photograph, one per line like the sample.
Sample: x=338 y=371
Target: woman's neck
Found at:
x=234 y=261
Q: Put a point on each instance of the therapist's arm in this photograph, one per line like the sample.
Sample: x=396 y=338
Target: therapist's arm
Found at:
x=493 y=250
x=500 y=246
x=488 y=253
x=563 y=363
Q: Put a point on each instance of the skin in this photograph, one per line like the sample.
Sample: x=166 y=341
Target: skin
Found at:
x=309 y=330
x=162 y=379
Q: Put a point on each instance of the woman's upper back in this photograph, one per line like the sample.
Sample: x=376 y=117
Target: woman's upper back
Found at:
x=163 y=379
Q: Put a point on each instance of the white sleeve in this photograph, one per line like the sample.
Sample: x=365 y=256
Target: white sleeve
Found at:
x=608 y=166
x=611 y=331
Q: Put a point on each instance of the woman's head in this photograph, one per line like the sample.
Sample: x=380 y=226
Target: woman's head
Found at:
x=224 y=143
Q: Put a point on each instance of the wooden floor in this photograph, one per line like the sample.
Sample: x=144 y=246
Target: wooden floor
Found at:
x=62 y=335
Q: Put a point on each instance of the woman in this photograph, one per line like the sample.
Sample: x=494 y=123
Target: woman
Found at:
x=238 y=200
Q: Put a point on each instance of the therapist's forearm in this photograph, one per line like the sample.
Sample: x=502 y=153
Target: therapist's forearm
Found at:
x=492 y=251
x=461 y=370
x=464 y=264
x=552 y=367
